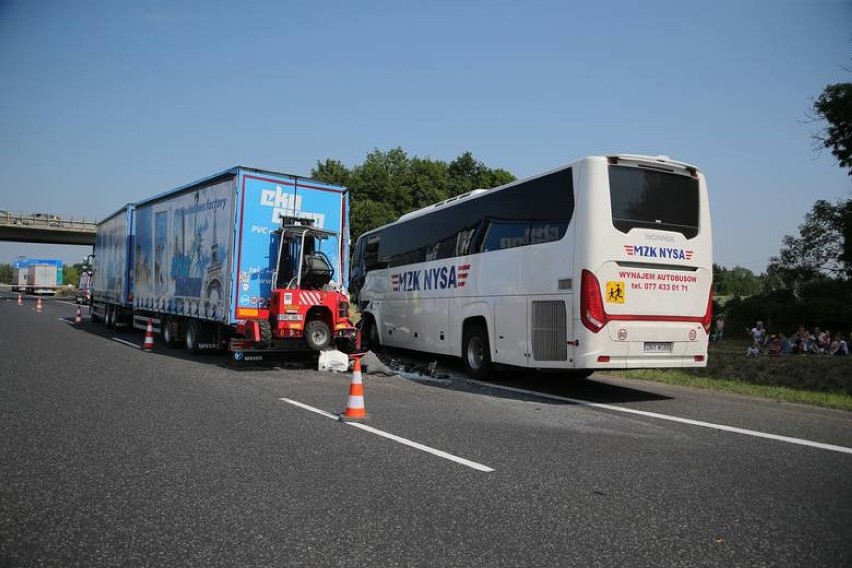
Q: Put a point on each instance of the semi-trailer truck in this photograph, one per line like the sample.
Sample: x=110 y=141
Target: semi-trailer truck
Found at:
x=247 y=260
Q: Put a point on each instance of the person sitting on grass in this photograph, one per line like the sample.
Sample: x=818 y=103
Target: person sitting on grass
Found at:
x=774 y=348
x=758 y=334
x=754 y=350
x=798 y=337
x=838 y=346
x=822 y=338
x=786 y=345
x=807 y=344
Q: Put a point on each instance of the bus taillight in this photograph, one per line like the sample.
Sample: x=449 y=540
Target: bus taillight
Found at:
x=592 y=311
x=708 y=315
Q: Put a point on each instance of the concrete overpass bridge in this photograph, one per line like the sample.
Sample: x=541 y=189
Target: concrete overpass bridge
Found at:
x=45 y=228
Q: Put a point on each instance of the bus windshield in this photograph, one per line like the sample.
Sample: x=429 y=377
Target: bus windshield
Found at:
x=651 y=199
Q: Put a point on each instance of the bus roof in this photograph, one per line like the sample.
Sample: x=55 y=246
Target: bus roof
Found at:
x=627 y=158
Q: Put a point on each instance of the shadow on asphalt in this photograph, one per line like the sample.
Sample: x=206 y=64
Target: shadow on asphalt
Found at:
x=296 y=360
x=446 y=373
x=449 y=374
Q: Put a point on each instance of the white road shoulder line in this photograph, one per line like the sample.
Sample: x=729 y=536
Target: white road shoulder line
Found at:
x=723 y=427
x=126 y=343
x=433 y=451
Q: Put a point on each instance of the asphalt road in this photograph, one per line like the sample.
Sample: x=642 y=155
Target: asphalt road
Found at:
x=112 y=456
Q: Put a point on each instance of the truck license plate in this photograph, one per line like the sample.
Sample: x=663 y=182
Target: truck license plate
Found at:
x=658 y=347
x=289 y=317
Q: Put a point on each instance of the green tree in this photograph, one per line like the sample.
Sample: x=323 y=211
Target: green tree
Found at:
x=390 y=183
x=71 y=274
x=332 y=171
x=845 y=222
x=5 y=273
x=816 y=253
x=737 y=281
x=834 y=106
x=467 y=174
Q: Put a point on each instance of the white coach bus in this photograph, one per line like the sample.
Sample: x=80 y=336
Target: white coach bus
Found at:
x=605 y=263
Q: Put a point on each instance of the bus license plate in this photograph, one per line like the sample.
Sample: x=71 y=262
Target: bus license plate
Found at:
x=658 y=347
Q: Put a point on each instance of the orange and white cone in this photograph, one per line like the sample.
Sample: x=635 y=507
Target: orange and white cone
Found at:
x=355 y=405
x=38 y=305
x=78 y=317
x=20 y=299
x=148 y=344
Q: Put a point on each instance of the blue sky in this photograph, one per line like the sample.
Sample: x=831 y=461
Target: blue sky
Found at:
x=106 y=102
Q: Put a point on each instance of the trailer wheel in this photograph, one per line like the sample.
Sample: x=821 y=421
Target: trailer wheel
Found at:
x=476 y=354
x=109 y=320
x=317 y=334
x=170 y=332
x=192 y=330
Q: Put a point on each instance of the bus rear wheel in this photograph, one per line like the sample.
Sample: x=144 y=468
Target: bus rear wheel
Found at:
x=476 y=353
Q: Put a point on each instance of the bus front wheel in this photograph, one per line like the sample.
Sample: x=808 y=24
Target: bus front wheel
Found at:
x=476 y=354
x=369 y=334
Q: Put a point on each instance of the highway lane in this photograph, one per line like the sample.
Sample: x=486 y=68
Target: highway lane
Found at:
x=114 y=457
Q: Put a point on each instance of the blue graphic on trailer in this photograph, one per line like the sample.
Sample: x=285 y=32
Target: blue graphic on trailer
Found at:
x=265 y=200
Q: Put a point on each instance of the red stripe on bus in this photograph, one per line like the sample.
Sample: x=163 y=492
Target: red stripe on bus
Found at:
x=679 y=319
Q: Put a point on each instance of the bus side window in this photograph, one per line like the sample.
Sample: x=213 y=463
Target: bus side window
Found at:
x=505 y=234
x=371 y=253
x=464 y=240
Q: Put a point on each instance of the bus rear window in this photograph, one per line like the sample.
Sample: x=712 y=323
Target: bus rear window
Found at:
x=650 y=199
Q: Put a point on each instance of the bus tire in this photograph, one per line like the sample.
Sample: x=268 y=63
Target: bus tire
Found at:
x=317 y=334
x=369 y=334
x=476 y=353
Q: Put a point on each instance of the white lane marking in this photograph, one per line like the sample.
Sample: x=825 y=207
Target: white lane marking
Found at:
x=311 y=408
x=126 y=342
x=405 y=441
x=66 y=321
x=65 y=302
x=755 y=433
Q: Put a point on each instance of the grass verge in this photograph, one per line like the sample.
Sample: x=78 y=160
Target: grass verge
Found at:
x=818 y=380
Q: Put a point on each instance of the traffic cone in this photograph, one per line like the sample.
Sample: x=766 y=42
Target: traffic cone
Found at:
x=355 y=405
x=38 y=306
x=20 y=299
x=78 y=317
x=148 y=344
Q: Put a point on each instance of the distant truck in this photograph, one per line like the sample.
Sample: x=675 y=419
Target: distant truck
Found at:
x=247 y=260
x=36 y=275
x=41 y=279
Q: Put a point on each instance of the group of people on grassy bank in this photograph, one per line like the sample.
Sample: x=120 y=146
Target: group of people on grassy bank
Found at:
x=802 y=342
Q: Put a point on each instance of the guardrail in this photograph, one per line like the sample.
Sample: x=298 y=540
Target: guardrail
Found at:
x=45 y=221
